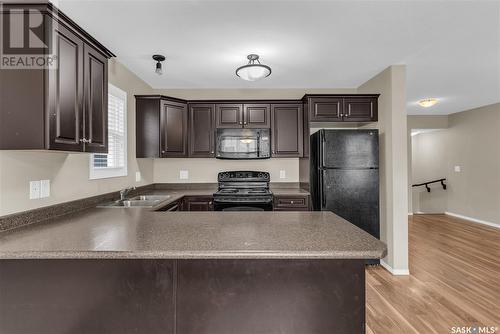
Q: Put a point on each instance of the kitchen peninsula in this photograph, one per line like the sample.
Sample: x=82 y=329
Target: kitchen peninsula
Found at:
x=137 y=270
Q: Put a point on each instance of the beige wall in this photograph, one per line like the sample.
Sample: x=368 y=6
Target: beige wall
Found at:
x=429 y=162
x=474 y=144
x=420 y=122
x=391 y=85
x=205 y=170
x=471 y=141
x=69 y=172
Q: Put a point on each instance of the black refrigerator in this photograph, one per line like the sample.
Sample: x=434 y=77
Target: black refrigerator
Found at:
x=344 y=176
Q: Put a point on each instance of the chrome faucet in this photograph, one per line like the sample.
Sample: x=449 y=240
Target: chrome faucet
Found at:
x=125 y=192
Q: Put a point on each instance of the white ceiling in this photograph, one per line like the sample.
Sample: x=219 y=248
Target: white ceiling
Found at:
x=451 y=48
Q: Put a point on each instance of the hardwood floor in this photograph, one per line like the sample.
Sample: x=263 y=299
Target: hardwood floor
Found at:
x=454 y=280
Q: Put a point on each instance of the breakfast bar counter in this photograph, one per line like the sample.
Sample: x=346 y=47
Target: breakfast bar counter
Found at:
x=122 y=270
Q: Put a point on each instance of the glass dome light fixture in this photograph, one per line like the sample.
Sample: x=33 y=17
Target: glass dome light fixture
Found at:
x=159 y=59
x=254 y=70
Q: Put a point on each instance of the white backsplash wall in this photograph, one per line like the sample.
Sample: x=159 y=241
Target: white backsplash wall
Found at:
x=204 y=170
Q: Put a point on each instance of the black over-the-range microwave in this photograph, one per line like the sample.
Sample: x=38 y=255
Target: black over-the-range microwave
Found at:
x=243 y=144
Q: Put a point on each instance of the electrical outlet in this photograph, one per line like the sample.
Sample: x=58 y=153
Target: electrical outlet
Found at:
x=34 y=189
x=44 y=188
x=183 y=174
x=458 y=169
x=282 y=174
x=138 y=177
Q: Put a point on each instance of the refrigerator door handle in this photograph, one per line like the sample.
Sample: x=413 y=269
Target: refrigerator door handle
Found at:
x=322 y=189
x=323 y=141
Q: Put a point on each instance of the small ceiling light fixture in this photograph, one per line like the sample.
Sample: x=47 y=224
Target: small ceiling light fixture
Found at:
x=158 y=59
x=254 y=70
x=426 y=103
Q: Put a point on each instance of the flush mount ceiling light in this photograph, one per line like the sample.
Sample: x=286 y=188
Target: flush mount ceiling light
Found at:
x=254 y=70
x=426 y=103
x=158 y=59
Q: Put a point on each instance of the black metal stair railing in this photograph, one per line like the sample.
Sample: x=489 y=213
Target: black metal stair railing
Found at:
x=426 y=184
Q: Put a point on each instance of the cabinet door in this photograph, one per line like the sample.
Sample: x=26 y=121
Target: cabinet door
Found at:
x=202 y=130
x=173 y=129
x=257 y=116
x=229 y=115
x=325 y=109
x=286 y=128
x=291 y=203
x=95 y=101
x=360 y=109
x=306 y=131
x=198 y=203
x=66 y=84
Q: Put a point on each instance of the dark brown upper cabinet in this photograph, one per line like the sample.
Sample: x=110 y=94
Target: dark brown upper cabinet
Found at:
x=96 y=100
x=342 y=108
x=325 y=109
x=173 y=129
x=61 y=108
x=202 y=130
x=161 y=127
x=287 y=130
x=229 y=115
x=251 y=115
x=257 y=116
x=360 y=109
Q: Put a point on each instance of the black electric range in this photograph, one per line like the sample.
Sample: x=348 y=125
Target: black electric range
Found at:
x=243 y=191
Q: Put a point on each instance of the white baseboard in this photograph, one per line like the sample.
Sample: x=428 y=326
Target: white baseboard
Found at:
x=395 y=272
x=410 y=213
x=474 y=220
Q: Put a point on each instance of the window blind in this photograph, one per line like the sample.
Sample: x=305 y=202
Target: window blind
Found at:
x=116 y=135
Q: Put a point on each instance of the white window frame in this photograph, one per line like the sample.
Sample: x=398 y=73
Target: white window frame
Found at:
x=108 y=172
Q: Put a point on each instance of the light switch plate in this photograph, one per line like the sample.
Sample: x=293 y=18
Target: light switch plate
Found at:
x=34 y=189
x=282 y=174
x=458 y=169
x=183 y=174
x=44 y=188
x=138 y=177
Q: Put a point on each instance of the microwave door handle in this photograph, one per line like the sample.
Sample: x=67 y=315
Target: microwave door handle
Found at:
x=258 y=145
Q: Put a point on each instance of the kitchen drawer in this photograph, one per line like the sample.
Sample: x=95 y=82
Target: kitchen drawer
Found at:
x=284 y=203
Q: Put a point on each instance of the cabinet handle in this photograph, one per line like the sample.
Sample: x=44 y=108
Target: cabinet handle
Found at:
x=241 y=123
x=162 y=152
x=212 y=152
x=83 y=140
x=291 y=202
x=245 y=123
x=89 y=141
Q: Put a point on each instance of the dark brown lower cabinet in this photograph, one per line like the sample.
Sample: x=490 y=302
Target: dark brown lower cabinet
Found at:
x=291 y=203
x=197 y=203
x=122 y=296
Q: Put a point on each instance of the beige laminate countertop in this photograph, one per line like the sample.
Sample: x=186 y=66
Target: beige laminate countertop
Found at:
x=132 y=233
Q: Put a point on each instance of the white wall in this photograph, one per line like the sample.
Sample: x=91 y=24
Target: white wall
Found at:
x=391 y=84
x=69 y=172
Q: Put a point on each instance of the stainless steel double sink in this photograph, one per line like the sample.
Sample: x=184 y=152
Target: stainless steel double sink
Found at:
x=147 y=201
